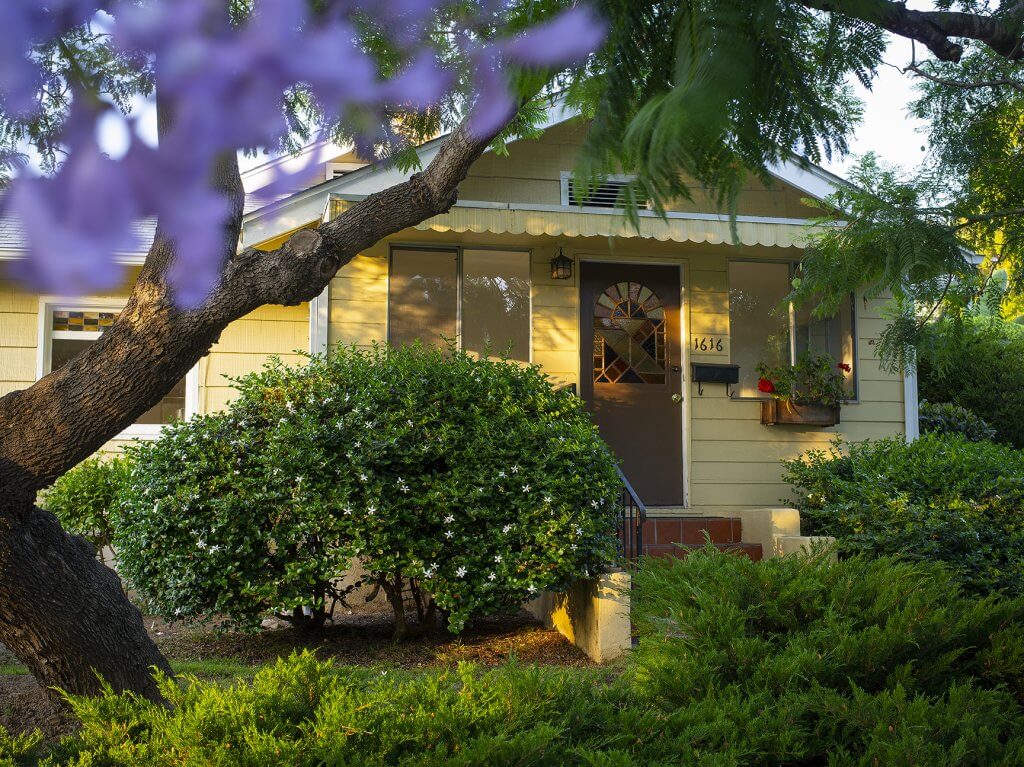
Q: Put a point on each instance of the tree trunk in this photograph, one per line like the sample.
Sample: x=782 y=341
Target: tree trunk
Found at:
x=394 y=592
x=62 y=613
x=66 y=616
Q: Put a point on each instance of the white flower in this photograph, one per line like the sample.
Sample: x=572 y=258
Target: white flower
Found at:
x=214 y=548
x=515 y=469
x=572 y=547
x=290 y=407
x=370 y=509
x=547 y=499
x=497 y=557
x=357 y=443
x=409 y=422
x=506 y=528
x=492 y=577
x=362 y=476
x=531 y=590
x=449 y=534
x=461 y=572
x=578 y=530
x=449 y=519
x=402 y=486
x=526 y=488
x=595 y=504
x=298 y=479
x=347 y=510
x=502 y=474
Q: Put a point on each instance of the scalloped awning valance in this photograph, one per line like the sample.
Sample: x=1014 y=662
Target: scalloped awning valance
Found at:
x=554 y=222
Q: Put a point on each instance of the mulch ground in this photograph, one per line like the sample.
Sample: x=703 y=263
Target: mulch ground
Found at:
x=361 y=640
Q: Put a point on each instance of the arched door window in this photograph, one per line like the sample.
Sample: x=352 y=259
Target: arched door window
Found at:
x=629 y=335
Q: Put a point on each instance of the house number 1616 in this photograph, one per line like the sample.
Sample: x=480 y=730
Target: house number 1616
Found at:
x=707 y=344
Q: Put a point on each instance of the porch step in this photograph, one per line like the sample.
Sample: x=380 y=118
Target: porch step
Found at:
x=678 y=536
x=691 y=530
x=682 y=550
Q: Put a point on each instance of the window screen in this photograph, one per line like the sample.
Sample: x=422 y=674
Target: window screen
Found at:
x=423 y=296
x=758 y=319
x=833 y=336
x=496 y=302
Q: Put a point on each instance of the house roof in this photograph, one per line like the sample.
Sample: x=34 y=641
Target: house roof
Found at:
x=268 y=215
x=297 y=210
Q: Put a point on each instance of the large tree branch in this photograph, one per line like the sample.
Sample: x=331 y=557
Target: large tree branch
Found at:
x=935 y=29
x=70 y=413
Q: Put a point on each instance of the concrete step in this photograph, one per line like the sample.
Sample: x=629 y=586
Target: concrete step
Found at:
x=681 y=550
x=692 y=530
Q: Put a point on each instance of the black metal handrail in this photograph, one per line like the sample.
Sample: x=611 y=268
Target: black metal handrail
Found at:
x=632 y=515
x=632 y=512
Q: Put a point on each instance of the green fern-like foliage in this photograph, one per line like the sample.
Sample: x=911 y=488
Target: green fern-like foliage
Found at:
x=700 y=94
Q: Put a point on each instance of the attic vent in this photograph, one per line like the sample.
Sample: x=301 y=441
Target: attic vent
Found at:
x=604 y=195
x=339 y=169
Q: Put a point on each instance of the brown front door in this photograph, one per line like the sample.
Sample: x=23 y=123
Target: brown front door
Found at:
x=630 y=372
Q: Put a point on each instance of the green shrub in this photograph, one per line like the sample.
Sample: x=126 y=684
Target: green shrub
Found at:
x=978 y=365
x=472 y=484
x=84 y=498
x=947 y=418
x=789 y=662
x=940 y=498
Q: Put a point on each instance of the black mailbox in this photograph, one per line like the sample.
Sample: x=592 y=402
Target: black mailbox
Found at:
x=712 y=372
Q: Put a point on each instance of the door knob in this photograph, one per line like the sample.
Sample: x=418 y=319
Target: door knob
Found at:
x=677 y=398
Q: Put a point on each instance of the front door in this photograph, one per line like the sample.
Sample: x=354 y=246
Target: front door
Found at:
x=630 y=372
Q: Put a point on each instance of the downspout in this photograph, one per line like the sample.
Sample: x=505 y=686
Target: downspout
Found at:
x=911 y=424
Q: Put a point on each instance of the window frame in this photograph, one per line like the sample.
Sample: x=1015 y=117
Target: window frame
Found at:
x=459 y=248
x=49 y=304
x=854 y=324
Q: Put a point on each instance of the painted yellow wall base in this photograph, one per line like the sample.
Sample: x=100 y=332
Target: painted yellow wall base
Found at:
x=593 y=615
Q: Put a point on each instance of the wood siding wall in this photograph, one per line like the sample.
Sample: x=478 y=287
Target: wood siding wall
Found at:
x=243 y=346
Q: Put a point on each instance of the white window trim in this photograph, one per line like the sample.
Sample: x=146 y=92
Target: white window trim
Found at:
x=49 y=304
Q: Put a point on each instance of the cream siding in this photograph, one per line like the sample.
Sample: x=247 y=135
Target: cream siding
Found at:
x=242 y=348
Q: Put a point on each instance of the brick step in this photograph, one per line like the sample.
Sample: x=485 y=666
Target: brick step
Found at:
x=681 y=550
x=690 y=530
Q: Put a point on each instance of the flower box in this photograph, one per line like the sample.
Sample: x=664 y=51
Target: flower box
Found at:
x=774 y=411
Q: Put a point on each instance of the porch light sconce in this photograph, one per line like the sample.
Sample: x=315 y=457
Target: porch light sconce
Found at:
x=561 y=266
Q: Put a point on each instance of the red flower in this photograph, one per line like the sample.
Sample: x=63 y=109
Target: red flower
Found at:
x=766 y=386
x=844 y=366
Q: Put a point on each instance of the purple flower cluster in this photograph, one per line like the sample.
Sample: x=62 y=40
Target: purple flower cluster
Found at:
x=219 y=89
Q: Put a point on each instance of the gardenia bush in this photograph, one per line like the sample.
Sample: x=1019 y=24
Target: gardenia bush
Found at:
x=940 y=498
x=84 y=499
x=462 y=485
x=789 y=662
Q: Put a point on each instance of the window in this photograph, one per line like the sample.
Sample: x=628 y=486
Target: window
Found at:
x=479 y=297
x=70 y=329
x=763 y=328
x=629 y=335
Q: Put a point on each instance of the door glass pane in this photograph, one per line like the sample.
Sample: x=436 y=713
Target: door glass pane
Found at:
x=496 y=302
x=629 y=335
x=170 y=408
x=422 y=296
x=832 y=336
x=758 y=319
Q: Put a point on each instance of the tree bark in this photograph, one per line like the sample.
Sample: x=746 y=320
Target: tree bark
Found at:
x=62 y=613
x=65 y=615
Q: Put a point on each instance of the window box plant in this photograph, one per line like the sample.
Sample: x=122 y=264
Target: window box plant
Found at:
x=807 y=393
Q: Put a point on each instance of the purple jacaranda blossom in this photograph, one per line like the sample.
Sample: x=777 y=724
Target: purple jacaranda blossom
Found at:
x=570 y=37
x=219 y=88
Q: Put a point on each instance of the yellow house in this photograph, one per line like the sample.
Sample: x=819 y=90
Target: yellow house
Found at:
x=642 y=320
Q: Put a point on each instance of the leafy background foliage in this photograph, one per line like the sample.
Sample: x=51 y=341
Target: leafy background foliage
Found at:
x=84 y=498
x=978 y=364
x=474 y=481
x=941 y=498
x=787 y=662
x=947 y=418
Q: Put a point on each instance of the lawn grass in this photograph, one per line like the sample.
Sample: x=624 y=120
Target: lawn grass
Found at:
x=204 y=669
